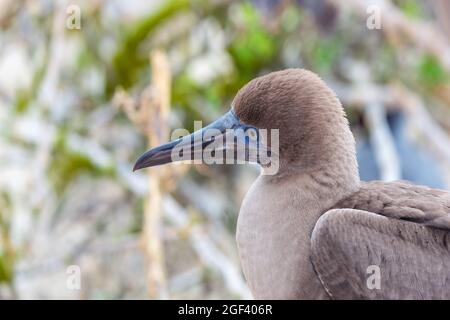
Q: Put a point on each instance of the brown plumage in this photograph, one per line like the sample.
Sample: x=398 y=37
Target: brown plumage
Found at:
x=402 y=200
x=412 y=259
x=313 y=230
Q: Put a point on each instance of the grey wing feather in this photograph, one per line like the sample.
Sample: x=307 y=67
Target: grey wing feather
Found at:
x=413 y=260
x=402 y=200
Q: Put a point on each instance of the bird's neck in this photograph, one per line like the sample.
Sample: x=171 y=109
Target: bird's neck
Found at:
x=315 y=190
x=274 y=227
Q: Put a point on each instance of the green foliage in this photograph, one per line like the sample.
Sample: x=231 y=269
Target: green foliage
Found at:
x=385 y=64
x=23 y=97
x=411 y=8
x=7 y=252
x=253 y=47
x=6 y=266
x=324 y=54
x=431 y=73
x=26 y=95
x=68 y=164
x=128 y=60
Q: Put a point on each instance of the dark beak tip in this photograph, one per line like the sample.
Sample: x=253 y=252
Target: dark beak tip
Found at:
x=138 y=165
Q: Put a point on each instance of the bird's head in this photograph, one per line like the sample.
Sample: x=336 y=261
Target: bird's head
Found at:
x=289 y=118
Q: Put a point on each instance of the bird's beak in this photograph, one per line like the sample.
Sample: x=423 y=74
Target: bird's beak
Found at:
x=226 y=138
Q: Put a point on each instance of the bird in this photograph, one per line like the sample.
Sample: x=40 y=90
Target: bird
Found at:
x=312 y=229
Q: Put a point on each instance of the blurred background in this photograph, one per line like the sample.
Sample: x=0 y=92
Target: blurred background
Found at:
x=87 y=86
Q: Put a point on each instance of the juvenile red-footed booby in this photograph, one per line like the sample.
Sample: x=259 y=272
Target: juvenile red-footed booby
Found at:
x=313 y=230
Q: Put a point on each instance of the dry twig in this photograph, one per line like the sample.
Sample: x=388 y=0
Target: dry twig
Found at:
x=150 y=114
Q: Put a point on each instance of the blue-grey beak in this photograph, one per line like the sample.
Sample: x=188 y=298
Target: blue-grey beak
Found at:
x=228 y=128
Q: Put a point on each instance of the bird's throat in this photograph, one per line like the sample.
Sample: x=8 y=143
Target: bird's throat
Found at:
x=274 y=228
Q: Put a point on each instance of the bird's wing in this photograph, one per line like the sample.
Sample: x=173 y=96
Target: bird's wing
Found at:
x=362 y=255
x=402 y=200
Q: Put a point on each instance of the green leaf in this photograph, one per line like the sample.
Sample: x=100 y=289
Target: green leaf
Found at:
x=128 y=60
x=431 y=73
x=411 y=8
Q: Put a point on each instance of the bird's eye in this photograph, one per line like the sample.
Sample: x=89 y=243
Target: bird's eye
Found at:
x=252 y=134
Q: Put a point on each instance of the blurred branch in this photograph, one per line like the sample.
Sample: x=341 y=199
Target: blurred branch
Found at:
x=398 y=28
x=150 y=115
x=49 y=86
x=419 y=114
x=382 y=141
x=42 y=196
x=206 y=250
x=8 y=11
x=157 y=133
x=398 y=96
x=442 y=10
x=381 y=137
x=185 y=280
